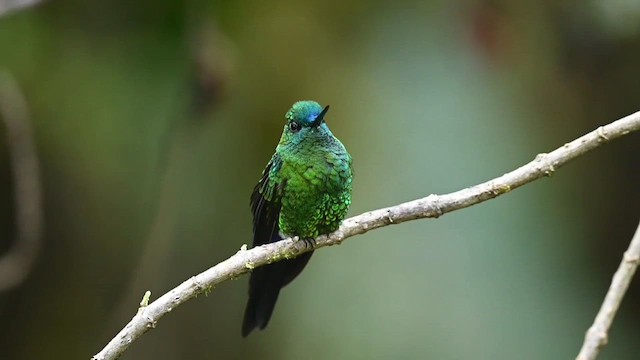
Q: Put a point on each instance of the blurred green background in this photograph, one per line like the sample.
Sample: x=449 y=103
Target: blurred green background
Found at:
x=154 y=119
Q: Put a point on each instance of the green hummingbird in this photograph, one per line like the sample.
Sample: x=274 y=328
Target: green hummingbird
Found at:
x=305 y=191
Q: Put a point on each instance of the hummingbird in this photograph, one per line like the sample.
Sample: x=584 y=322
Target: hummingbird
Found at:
x=304 y=192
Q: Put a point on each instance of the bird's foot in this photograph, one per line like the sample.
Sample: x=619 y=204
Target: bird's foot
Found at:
x=309 y=243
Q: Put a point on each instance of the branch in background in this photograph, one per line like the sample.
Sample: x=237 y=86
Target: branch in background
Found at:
x=431 y=206
x=212 y=63
x=597 y=337
x=10 y=6
x=16 y=264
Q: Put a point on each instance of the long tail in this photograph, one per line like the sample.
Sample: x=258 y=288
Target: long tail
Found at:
x=264 y=286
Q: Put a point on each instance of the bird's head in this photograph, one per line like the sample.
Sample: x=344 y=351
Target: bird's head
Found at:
x=305 y=121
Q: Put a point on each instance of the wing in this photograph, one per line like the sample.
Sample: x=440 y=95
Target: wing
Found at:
x=265 y=282
x=266 y=204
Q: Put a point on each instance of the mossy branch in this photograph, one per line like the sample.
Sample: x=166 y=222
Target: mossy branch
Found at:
x=431 y=206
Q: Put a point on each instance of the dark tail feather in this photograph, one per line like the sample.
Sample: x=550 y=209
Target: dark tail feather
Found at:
x=264 y=286
x=295 y=267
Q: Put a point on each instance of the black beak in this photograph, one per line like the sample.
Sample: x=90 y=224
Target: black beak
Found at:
x=320 y=117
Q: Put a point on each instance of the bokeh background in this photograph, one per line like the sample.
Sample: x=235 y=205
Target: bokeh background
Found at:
x=153 y=120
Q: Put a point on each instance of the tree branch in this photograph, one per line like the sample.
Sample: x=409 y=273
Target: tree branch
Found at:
x=597 y=337
x=431 y=206
x=10 y=6
x=18 y=261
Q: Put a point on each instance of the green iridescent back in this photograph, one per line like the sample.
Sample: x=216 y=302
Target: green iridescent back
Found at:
x=317 y=192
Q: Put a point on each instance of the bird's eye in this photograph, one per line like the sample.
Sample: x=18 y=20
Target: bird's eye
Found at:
x=294 y=126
